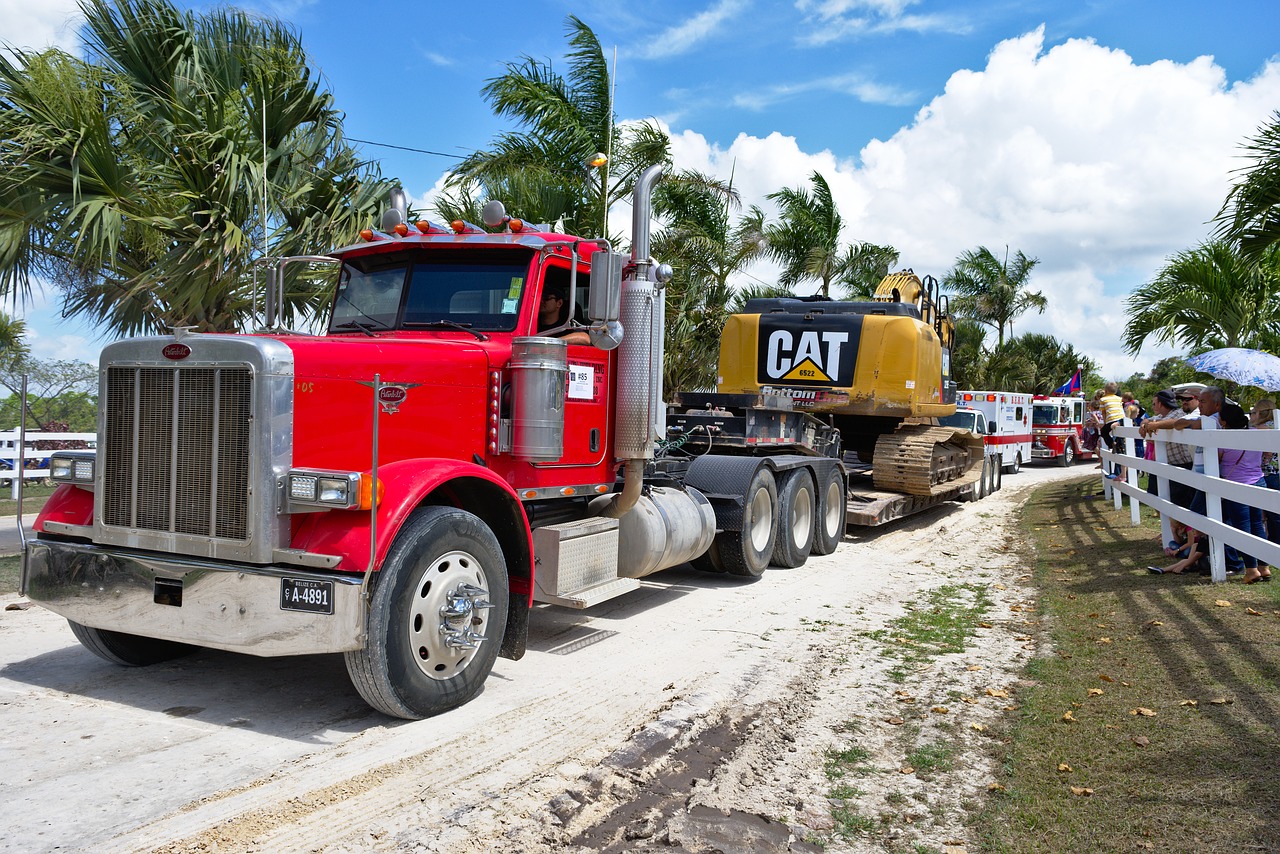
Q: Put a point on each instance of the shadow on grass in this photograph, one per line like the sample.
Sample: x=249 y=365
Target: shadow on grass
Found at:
x=1175 y=746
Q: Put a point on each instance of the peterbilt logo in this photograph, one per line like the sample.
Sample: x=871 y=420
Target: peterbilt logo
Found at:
x=391 y=395
x=176 y=351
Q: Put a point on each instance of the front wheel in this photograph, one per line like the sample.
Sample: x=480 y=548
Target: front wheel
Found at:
x=437 y=617
x=128 y=650
x=747 y=552
x=1068 y=456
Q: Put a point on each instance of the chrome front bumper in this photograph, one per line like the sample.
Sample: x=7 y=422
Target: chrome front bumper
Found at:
x=219 y=605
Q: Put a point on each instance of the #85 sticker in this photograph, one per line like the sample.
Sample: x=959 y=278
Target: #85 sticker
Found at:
x=581 y=382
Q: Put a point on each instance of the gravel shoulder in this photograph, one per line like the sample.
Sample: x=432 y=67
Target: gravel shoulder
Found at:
x=694 y=713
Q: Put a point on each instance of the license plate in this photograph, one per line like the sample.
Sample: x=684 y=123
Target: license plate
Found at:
x=306 y=594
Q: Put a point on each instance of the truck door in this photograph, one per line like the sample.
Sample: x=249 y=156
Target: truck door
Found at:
x=588 y=403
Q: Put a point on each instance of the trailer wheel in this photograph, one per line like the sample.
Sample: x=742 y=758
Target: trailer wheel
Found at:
x=437 y=617
x=1068 y=455
x=128 y=650
x=829 y=531
x=795 y=519
x=747 y=552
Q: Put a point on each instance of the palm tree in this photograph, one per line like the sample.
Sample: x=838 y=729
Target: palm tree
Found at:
x=146 y=181
x=1208 y=297
x=706 y=249
x=1034 y=363
x=541 y=171
x=1250 y=216
x=992 y=291
x=862 y=268
x=806 y=239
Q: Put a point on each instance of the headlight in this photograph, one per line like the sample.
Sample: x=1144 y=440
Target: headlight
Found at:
x=72 y=467
x=330 y=490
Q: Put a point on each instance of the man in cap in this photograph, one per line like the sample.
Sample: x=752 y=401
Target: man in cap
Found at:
x=1171 y=407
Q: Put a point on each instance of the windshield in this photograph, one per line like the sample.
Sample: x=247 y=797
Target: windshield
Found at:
x=478 y=290
x=962 y=420
x=1044 y=414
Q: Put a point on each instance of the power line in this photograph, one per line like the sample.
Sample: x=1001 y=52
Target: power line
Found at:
x=405 y=148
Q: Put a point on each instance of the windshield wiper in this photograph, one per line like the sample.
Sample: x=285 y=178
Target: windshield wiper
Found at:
x=447 y=324
x=366 y=328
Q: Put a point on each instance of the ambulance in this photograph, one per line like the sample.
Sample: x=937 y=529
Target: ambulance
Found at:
x=1002 y=418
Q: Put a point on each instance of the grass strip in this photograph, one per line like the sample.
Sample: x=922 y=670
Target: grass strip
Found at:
x=1150 y=720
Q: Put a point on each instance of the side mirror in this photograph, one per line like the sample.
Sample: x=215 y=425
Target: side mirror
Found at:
x=604 y=303
x=991 y=428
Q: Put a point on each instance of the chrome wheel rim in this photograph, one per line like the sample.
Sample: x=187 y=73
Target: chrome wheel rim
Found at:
x=761 y=519
x=834 y=517
x=448 y=615
x=801 y=517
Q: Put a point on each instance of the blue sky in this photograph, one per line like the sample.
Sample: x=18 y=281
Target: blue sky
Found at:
x=1097 y=137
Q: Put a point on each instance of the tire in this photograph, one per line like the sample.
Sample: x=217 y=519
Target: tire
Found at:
x=708 y=561
x=797 y=515
x=437 y=616
x=128 y=650
x=980 y=487
x=829 y=530
x=1068 y=456
x=1015 y=466
x=747 y=552
x=997 y=477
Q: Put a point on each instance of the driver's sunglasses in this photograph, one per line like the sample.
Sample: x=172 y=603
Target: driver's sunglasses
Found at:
x=1184 y=399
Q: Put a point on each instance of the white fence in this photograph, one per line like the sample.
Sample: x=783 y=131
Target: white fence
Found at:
x=35 y=465
x=1214 y=488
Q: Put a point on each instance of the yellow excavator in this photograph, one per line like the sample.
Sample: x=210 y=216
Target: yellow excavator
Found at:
x=880 y=371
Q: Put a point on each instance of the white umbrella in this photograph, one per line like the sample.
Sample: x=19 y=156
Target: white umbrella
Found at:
x=1241 y=366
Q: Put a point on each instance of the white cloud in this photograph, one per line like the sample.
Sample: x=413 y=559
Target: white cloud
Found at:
x=859 y=87
x=36 y=26
x=836 y=20
x=684 y=36
x=1098 y=166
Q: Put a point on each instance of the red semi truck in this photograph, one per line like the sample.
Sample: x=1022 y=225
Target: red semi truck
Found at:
x=404 y=488
x=385 y=490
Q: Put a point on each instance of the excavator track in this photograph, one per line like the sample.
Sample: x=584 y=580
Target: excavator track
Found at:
x=921 y=460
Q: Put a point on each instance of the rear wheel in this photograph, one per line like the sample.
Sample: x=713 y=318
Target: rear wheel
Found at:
x=437 y=617
x=795 y=519
x=708 y=561
x=128 y=650
x=747 y=552
x=1016 y=465
x=829 y=530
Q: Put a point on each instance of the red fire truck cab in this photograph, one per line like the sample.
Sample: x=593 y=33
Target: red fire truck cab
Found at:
x=1057 y=427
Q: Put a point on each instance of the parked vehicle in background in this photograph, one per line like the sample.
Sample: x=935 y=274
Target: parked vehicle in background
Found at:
x=1057 y=427
x=1008 y=424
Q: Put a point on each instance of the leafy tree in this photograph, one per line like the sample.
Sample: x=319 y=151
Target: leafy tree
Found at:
x=706 y=249
x=1250 y=216
x=862 y=268
x=1208 y=297
x=992 y=291
x=57 y=391
x=806 y=239
x=541 y=172
x=1034 y=363
x=134 y=180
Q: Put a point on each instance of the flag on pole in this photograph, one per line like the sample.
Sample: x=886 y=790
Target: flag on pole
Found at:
x=1071 y=386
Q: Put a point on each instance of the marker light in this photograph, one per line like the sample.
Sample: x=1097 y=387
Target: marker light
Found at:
x=366 y=235
x=458 y=226
x=401 y=229
x=516 y=225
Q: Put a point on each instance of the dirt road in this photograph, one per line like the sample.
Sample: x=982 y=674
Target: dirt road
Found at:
x=640 y=723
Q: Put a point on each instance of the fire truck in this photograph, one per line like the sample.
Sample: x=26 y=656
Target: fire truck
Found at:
x=459 y=446
x=1057 y=428
x=1005 y=424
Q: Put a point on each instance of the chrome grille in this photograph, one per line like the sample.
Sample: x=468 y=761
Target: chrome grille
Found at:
x=177 y=450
